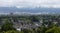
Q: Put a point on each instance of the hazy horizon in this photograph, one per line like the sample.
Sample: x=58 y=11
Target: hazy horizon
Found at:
x=33 y=6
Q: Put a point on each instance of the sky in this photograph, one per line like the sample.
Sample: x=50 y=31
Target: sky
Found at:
x=30 y=3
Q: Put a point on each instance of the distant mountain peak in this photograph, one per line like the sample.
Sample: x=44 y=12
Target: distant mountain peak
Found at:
x=31 y=10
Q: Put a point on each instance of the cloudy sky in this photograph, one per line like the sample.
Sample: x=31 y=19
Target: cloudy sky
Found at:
x=30 y=3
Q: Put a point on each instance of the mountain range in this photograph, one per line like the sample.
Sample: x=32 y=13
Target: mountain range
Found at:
x=31 y=10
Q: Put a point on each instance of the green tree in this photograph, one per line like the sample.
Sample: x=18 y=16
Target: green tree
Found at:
x=7 y=26
x=35 y=18
x=53 y=30
x=13 y=31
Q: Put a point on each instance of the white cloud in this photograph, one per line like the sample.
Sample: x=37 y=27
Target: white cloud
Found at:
x=30 y=3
